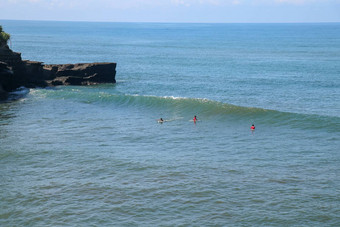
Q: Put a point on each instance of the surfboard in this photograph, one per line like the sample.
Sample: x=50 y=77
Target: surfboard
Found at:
x=159 y=121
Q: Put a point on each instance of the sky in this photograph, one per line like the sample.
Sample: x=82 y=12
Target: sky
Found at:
x=190 y=11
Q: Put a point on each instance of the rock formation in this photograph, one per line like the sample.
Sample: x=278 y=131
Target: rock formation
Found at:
x=80 y=74
x=15 y=72
x=6 y=76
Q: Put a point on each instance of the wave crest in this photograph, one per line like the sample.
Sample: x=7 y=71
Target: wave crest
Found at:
x=209 y=109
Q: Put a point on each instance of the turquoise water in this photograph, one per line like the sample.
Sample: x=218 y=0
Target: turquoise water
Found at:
x=82 y=156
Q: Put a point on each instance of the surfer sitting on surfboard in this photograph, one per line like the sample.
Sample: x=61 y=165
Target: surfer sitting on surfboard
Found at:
x=252 y=127
x=195 y=119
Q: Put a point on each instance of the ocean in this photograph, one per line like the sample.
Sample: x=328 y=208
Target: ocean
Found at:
x=96 y=155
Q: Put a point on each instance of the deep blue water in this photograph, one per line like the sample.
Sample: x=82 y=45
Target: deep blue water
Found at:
x=97 y=156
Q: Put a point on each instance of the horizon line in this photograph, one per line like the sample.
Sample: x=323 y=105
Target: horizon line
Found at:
x=182 y=22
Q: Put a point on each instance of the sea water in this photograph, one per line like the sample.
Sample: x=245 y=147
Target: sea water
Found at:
x=96 y=155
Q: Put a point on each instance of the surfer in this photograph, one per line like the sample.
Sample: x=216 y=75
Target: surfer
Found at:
x=252 y=128
x=160 y=120
x=195 y=119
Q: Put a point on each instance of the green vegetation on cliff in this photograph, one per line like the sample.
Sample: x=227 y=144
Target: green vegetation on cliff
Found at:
x=4 y=37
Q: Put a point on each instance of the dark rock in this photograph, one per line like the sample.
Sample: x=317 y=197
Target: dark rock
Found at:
x=15 y=73
x=81 y=74
x=57 y=82
x=6 y=79
x=3 y=94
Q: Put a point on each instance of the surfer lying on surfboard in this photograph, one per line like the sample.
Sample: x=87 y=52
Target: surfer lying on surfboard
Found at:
x=161 y=120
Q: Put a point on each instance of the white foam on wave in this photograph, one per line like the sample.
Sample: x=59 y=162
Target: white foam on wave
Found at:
x=18 y=93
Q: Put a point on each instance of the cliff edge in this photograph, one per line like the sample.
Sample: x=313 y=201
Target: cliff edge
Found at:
x=15 y=73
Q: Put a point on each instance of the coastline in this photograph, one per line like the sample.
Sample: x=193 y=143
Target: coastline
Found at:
x=16 y=73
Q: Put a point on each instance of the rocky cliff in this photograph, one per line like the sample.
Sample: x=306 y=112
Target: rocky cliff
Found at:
x=80 y=74
x=15 y=72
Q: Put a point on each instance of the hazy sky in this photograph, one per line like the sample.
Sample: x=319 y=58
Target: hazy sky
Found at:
x=223 y=11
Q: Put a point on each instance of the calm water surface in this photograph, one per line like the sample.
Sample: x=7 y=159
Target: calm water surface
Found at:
x=96 y=156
